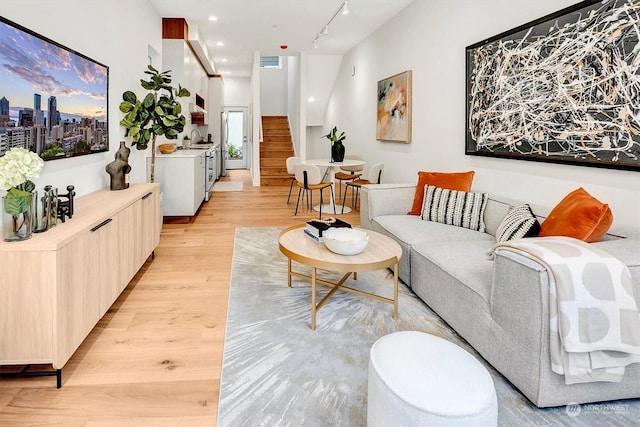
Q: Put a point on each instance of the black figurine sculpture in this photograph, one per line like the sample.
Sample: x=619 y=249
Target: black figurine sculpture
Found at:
x=119 y=168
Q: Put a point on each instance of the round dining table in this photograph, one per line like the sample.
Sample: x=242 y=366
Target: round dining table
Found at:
x=331 y=171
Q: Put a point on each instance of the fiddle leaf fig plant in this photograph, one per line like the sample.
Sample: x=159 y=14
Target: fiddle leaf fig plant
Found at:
x=158 y=113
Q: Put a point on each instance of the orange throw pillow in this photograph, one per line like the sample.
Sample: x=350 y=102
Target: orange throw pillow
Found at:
x=460 y=181
x=578 y=215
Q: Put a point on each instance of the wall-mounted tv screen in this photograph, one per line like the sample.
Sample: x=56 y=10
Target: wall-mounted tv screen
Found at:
x=53 y=100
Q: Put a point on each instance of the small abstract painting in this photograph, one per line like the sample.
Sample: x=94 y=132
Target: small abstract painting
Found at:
x=394 y=108
x=563 y=88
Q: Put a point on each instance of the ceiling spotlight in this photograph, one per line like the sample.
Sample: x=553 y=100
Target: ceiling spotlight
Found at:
x=315 y=43
x=220 y=44
x=213 y=18
x=345 y=7
x=311 y=99
x=224 y=60
x=325 y=31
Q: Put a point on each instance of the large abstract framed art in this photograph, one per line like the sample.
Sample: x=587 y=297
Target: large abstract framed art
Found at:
x=393 y=121
x=53 y=100
x=564 y=88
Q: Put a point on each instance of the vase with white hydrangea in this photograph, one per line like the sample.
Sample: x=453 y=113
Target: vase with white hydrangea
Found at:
x=17 y=169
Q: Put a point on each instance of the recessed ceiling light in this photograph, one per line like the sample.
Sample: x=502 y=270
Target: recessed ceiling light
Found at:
x=220 y=44
x=213 y=18
x=227 y=72
x=224 y=60
x=311 y=99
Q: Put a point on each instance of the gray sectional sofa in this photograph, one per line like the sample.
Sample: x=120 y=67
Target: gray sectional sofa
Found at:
x=500 y=307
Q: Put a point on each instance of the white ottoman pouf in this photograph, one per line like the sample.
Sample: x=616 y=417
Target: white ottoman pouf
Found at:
x=417 y=379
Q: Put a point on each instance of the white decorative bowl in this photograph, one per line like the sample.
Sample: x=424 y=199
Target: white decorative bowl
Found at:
x=345 y=241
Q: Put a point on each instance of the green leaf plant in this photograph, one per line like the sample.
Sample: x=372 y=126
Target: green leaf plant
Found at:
x=17 y=203
x=334 y=137
x=158 y=113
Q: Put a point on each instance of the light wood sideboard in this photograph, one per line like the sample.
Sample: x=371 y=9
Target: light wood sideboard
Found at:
x=57 y=285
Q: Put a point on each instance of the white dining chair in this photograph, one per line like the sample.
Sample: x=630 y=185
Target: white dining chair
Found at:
x=348 y=173
x=291 y=170
x=308 y=179
x=374 y=176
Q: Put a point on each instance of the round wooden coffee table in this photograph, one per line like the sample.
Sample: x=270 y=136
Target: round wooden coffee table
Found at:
x=381 y=252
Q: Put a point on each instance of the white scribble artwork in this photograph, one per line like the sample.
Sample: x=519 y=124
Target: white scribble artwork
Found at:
x=567 y=88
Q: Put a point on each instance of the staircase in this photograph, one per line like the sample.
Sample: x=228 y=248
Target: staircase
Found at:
x=274 y=150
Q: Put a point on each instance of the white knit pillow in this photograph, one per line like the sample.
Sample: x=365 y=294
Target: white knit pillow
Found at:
x=520 y=222
x=459 y=208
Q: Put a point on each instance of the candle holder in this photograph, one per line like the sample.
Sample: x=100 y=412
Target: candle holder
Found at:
x=65 y=207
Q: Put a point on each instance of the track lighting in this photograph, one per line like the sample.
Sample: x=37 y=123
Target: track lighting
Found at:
x=345 y=7
x=325 y=30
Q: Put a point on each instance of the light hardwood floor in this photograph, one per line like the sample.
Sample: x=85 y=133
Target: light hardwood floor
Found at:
x=155 y=358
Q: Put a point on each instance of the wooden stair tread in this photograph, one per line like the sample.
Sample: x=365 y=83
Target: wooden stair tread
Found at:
x=275 y=148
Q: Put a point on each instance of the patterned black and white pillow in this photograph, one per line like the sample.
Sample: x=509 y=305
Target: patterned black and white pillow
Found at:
x=520 y=222
x=459 y=208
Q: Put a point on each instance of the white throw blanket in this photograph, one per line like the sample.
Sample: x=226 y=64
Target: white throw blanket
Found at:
x=594 y=319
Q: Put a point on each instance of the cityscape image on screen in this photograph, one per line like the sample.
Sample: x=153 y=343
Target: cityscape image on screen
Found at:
x=53 y=101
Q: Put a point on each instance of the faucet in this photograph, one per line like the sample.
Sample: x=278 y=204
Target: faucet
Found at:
x=199 y=134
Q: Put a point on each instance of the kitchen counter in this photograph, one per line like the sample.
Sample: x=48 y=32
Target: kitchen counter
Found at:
x=204 y=144
x=182 y=178
x=190 y=152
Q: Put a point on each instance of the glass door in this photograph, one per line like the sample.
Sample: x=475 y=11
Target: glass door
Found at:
x=236 y=137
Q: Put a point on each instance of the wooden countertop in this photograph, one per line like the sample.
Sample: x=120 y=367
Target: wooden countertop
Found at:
x=89 y=211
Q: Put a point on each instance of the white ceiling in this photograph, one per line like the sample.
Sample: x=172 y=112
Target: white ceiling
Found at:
x=245 y=26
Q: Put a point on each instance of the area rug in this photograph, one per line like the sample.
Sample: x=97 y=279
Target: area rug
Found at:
x=222 y=186
x=278 y=372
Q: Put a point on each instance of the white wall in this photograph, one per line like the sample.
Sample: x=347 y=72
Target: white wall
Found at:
x=429 y=37
x=256 y=119
x=94 y=29
x=321 y=76
x=273 y=90
x=237 y=91
x=293 y=100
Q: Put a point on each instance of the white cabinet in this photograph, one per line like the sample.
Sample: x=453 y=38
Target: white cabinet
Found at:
x=181 y=176
x=215 y=107
x=55 y=286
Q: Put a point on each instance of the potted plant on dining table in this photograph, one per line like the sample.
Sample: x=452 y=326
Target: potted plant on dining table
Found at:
x=337 y=148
